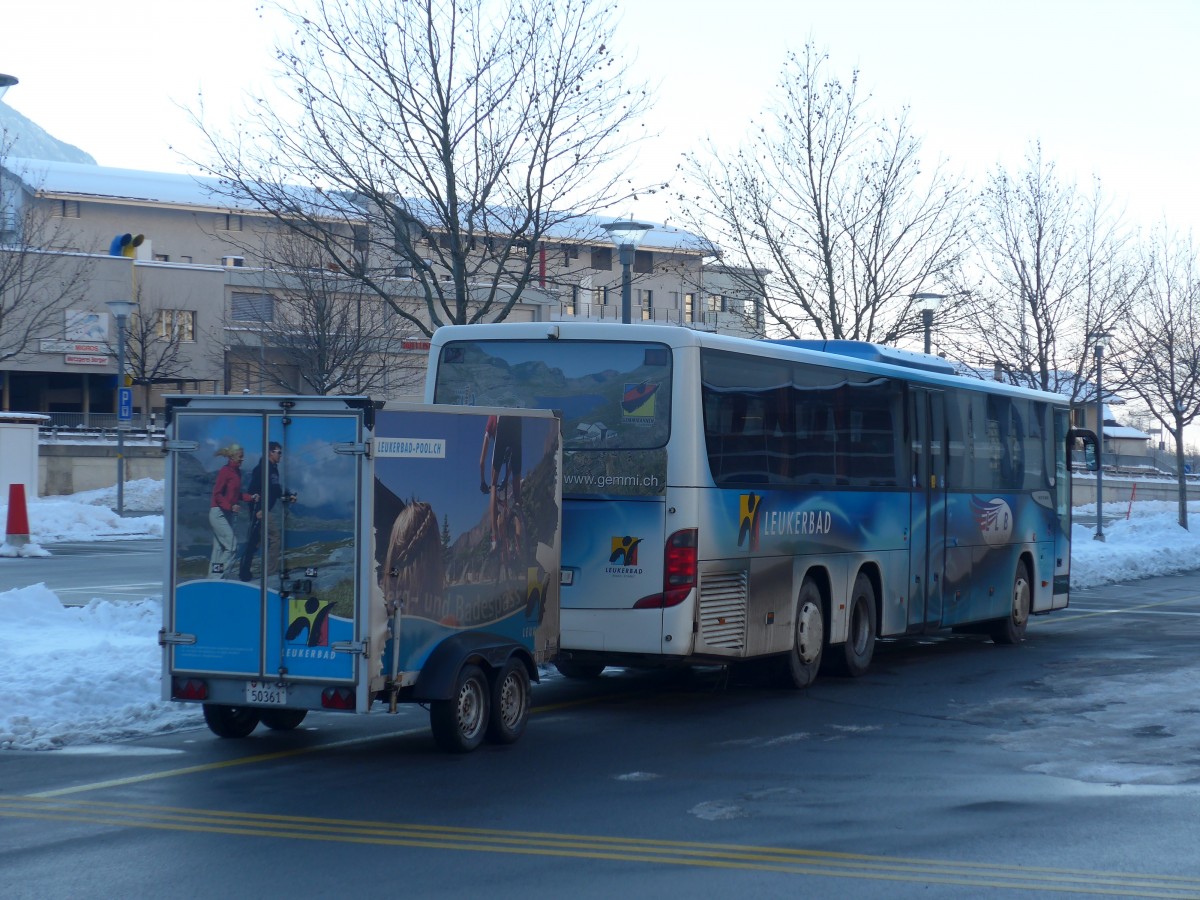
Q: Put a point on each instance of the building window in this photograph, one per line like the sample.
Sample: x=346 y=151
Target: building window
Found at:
x=185 y=259
x=689 y=303
x=570 y=252
x=646 y=301
x=361 y=236
x=176 y=324
x=247 y=307
x=643 y=261
x=717 y=303
x=602 y=258
x=574 y=304
x=229 y=222
x=161 y=257
x=233 y=262
x=67 y=209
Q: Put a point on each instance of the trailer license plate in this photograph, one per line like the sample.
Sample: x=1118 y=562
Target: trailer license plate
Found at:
x=262 y=693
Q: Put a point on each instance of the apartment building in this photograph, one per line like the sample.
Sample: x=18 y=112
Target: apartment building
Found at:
x=209 y=294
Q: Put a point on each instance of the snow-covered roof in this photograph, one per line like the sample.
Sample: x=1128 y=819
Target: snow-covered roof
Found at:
x=61 y=179
x=1125 y=432
x=77 y=180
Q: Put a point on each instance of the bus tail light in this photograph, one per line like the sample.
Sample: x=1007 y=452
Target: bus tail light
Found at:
x=679 y=571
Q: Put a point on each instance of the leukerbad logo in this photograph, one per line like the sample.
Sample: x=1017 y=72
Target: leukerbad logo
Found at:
x=625 y=550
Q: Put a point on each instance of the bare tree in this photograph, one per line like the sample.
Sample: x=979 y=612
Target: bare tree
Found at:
x=36 y=282
x=316 y=330
x=442 y=140
x=1158 y=350
x=1054 y=266
x=829 y=214
x=155 y=337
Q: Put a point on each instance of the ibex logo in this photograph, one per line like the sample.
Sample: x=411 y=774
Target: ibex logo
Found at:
x=624 y=551
x=311 y=615
x=748 y=520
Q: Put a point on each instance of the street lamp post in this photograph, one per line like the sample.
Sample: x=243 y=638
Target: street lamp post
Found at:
x=121 y=310
x=928 y=303
x=1099 y=340
x=626 y=235
x=6 y=81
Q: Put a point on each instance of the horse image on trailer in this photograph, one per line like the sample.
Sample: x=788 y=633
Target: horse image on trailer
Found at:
x=336 y=554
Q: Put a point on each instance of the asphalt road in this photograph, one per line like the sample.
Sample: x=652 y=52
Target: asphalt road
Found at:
x=1066 y=766
x=79 y=572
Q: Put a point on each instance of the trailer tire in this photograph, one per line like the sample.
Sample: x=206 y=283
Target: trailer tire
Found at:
x=460 y=723
x=282 y=719
x=510 y=703
x=230 y=721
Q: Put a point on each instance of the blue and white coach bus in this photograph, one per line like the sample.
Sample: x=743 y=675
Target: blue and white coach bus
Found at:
x=728 y=499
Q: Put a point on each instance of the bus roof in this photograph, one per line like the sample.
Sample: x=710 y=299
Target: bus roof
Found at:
x=858 y=356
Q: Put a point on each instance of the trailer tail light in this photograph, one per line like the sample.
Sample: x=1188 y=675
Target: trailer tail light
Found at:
x=337 y=698
x=679 y=571
x=189 y=689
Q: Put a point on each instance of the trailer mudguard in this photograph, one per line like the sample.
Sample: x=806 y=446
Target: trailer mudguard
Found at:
x=440 y=672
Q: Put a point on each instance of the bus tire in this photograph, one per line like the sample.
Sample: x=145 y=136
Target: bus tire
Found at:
x=798 y=668
x=853 y=658
x=578 y=671
x=510 y=703
x=283 y=719
x=1011 y=629
x=230 y=721
x=460 y=722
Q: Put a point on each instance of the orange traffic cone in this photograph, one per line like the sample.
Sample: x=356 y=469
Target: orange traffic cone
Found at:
x=17 y=529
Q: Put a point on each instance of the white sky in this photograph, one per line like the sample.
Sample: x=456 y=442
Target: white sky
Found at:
x=1109 y=87
x=84 y=677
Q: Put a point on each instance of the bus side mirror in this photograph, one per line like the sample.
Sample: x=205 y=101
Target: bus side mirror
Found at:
x=1083 y=447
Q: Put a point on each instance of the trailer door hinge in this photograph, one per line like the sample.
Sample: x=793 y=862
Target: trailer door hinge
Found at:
x=358 y=647
x=174 y=637
x=351 y=448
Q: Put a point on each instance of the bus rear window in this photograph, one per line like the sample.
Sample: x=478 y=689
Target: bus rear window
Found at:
x=612 y=395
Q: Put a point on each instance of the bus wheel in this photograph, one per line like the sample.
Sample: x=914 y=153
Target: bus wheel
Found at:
x=460 y=722
x=283 y=719
x=798 y=669
x=230 y=721
x=510 y=703
x=579 y=671
x=853 y=658
x=1011 y=629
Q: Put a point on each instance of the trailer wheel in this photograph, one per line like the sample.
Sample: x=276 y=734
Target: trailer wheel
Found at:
x=282 y=719
x=510 y=703
x=1011 y=629
x=853 y=658
x=798 y=668
x=460 y=723
x=230 y=721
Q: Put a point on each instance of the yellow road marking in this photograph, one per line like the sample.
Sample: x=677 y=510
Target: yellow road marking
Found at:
x=600 y=847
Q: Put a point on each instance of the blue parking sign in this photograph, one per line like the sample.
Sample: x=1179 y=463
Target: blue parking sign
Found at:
x=124 y=404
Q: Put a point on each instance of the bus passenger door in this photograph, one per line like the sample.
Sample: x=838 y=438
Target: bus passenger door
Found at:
x=927 y=544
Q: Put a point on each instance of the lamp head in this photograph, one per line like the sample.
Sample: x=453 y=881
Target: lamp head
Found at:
x=627 y=233
x=122 y=309
x=928 y=301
